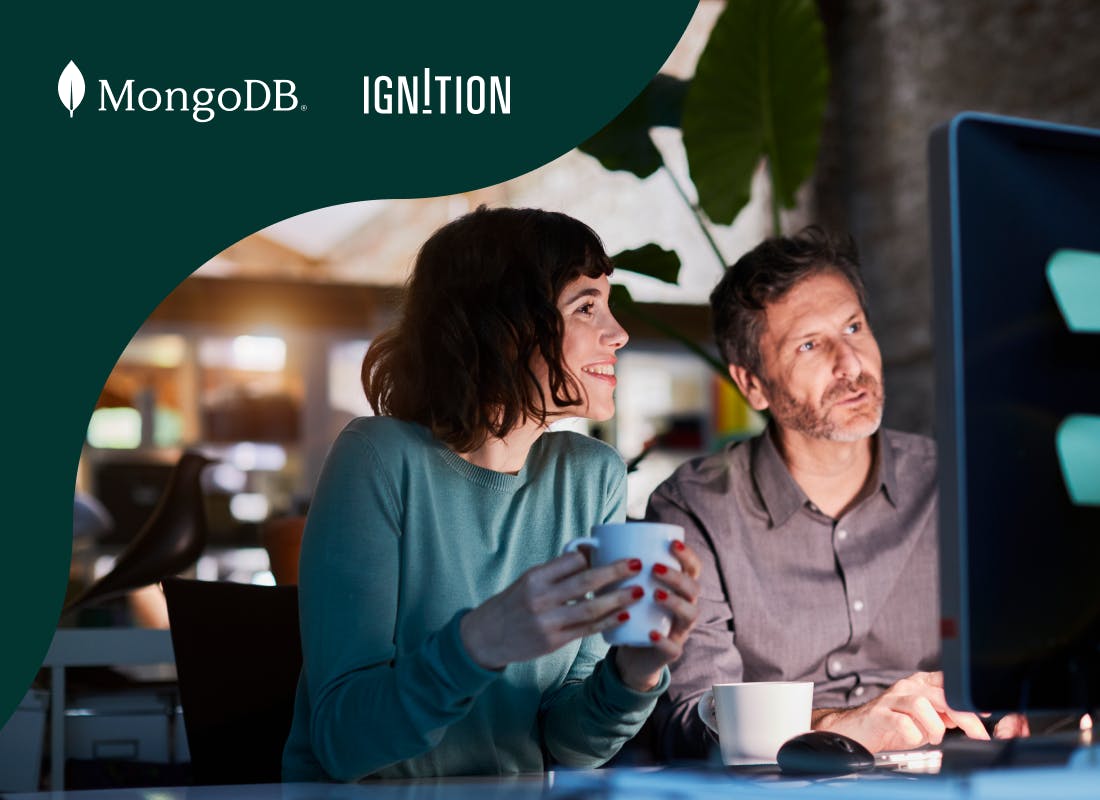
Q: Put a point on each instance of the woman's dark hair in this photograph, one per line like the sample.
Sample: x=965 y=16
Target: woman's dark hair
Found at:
x=480 y=305
x=764 y=275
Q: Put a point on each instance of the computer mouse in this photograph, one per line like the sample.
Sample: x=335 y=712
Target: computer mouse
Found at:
x=823 y=753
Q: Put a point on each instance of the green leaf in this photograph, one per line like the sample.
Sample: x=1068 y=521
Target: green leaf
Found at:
x=624 y=143
x=620 y=300
x=652 y=260
x=623 y=305
x=759 y=91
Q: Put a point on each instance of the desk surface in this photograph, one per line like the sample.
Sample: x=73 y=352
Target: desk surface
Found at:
x=94 y=647
x=1079 y=779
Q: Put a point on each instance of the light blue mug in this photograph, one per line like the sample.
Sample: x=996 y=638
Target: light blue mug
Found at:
x=650 y=542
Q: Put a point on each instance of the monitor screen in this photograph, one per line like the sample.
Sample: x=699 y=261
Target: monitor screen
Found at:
x=1015 y=210
x=129 y=488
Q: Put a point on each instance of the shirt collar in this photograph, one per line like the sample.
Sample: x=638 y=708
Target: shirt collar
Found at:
x=782 y=495
x=887 y=468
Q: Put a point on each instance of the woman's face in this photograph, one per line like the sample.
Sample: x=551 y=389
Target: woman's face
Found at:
x=590 y=339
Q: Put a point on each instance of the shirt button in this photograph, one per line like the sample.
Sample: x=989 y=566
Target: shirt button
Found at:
x=858 y=605
x=837 y=666
x=842 y=534
x=858 y=691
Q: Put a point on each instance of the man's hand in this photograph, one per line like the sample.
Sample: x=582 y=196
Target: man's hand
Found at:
x=1011 y=726
x=910 y=713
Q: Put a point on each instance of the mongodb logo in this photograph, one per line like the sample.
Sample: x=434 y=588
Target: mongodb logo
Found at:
x=201 y=103
x=70 y=87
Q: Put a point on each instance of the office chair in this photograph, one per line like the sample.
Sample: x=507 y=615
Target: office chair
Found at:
x=238 y=655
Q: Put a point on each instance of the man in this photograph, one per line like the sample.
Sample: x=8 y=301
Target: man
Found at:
x=818 y=537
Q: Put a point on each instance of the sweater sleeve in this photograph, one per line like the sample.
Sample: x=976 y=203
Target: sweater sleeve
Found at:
x=368 y=707
x=592 y=714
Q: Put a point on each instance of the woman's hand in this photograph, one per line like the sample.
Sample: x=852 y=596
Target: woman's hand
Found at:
x=547 y=607
x=641 y=667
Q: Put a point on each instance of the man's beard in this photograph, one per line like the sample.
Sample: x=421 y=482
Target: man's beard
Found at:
x=815 y=422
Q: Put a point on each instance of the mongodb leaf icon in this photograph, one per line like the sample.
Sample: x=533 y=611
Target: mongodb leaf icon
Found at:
x=70 y=87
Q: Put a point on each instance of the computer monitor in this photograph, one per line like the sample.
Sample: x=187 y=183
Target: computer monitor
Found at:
x=129 y=487
x=1015 y=212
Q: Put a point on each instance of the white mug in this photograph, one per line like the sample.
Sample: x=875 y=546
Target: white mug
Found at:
x=649 y=542
x=753 y=720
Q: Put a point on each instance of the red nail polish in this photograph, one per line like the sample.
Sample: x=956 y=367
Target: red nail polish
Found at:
x=637 y=592
x=661 y=594
x=660 y=569
x=654 y=636
x=624 y=616
x=635 y=564
x=677 y=545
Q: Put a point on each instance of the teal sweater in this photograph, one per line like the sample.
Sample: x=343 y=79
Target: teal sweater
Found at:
x=403 y=537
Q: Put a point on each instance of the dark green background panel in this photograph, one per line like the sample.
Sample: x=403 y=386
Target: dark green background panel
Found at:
x=106 y=212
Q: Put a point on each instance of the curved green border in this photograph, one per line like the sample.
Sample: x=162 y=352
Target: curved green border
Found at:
x=107 y=212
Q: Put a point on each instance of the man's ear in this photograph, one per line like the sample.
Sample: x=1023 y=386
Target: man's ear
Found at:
x=751 y=387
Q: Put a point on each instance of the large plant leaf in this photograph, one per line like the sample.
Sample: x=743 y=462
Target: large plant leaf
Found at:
x=624 y=306
x=652 y=260
x=759 y=90
x=624 y=143
x=620 y=300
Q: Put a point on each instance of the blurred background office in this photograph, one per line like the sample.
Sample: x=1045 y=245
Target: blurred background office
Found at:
x=255 y=358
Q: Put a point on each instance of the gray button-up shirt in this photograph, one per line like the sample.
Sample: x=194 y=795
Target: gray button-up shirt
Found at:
x=788 y=593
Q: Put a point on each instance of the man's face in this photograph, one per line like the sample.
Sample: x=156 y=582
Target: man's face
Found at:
x=822 y=370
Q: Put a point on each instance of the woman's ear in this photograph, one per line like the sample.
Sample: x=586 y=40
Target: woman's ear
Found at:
x=752 y=388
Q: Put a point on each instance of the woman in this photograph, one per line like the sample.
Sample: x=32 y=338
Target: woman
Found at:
x=442 y=633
